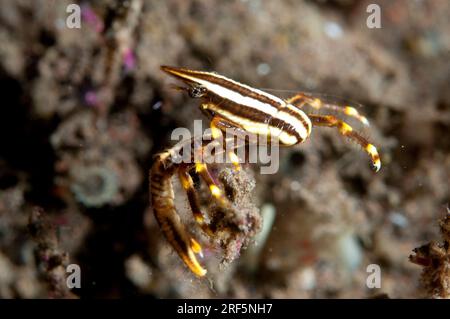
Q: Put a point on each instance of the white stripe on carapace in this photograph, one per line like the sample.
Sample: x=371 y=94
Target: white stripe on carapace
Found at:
x=253 y=103
x=301 y=114
x=295 y=122
x=274 y=98
x=258 y=128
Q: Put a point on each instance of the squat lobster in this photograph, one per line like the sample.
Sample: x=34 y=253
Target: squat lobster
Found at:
x=249 y=112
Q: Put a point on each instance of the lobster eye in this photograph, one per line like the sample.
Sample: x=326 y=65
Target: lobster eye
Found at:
x=197 y=91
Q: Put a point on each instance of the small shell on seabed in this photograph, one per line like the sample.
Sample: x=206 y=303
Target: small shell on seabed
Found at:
x=95 y=186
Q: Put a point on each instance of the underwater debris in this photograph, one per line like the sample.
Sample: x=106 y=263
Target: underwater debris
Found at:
x=95 y=186
x=253 y=254
x=99 y=165
x=435 y=259
x=138 y=272
x=235 y=227
x=52 y=259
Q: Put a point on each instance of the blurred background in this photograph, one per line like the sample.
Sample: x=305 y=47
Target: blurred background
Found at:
x=84 y=110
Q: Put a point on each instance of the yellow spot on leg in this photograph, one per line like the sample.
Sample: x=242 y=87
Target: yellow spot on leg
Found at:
x=196 y=247
x=344 y=128
x=351 y=111
x=235 y=161
x=215 y=191
x=185 y=182
x=200 y=167
x=316 y=103
x=199 y=219
x=372 y=150
x=216 y=132
x=193 y=264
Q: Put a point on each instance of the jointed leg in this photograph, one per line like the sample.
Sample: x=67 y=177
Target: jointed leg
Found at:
x=234 y=160
x=201 y=169
x=162 y=199
x=188 y=185
x=301 y=99
x=347 y=131
x=216 y=191
x=218 y=126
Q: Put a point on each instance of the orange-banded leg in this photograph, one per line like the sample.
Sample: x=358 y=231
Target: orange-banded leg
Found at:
x=203 y=172
x=301 y=99
x=347 y=131
x=162 y=198
x=188 y=185
x=217 y=193
x=218 y=126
